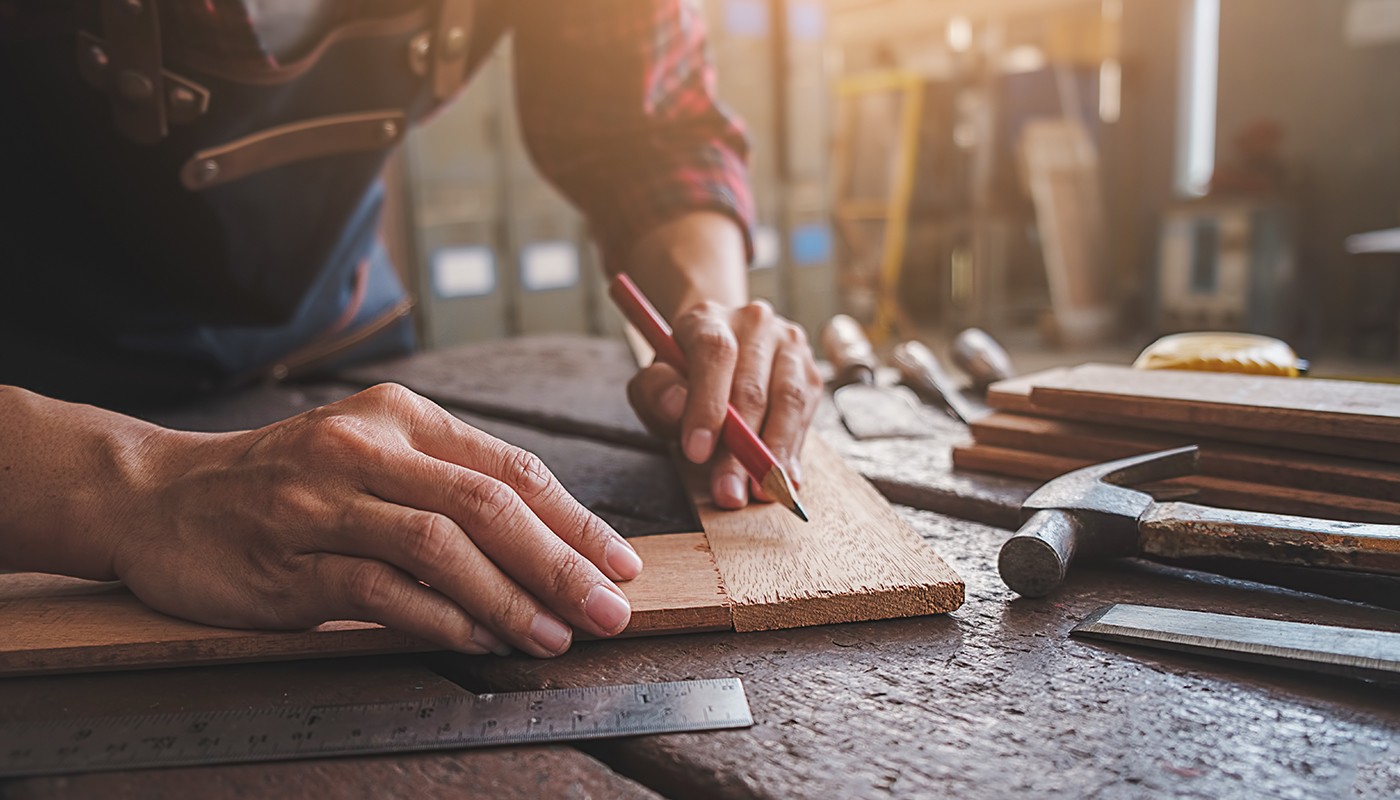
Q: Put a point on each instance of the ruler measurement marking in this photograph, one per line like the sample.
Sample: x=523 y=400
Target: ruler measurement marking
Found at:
x=231 y=736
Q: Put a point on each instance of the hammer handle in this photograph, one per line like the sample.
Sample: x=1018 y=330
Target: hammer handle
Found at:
x=1186 y=530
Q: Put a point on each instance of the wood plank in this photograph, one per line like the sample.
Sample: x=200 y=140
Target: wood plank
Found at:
x=856 y=560
x=1327 y=408
x=1210 y=490
x=1330 y=474
x=60 y=624
x=1015 y=396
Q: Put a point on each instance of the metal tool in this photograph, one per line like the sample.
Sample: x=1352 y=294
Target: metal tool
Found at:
x=921 y=369
x=1090 y=512
x=868 y=410
x=1353 y=652
x=443 y=723
x=975 y=352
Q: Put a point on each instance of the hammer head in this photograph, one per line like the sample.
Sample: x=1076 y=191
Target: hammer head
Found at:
x=1089 y=511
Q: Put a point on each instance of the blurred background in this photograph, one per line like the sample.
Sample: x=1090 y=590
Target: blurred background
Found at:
x=1077 y=177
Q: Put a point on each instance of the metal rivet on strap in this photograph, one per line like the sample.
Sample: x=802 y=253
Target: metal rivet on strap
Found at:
x=418 y=51
x=182 y=99
x=135 y=87
x=454 y=44
x=97 y=57
x=208 y=170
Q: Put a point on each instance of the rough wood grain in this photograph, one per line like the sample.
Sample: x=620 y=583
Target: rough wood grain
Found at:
x=994 y=700
x=1015 y=396
x=59 y=624
x=856 y=560
x=1210 y=490
x=517 y=772
x=1330 y=474
x=1334 y=409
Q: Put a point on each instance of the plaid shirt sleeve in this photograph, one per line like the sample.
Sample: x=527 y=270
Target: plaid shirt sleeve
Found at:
x=617 y=103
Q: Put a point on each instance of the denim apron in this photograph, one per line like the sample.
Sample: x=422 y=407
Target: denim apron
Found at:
x=180 y=219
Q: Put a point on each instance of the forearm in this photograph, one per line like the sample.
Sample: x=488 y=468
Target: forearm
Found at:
x=68 y=475
x=695 y=258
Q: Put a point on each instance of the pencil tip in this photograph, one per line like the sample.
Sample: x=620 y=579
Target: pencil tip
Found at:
x=800 y=511
x=779 y=487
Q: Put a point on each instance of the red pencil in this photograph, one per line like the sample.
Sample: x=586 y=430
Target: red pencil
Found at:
x=757 y=459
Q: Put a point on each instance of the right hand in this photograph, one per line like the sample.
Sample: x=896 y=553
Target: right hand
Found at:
x=381 y=507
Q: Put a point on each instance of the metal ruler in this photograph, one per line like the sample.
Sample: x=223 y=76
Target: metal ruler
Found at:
x=1352 y=652
x=442 y=723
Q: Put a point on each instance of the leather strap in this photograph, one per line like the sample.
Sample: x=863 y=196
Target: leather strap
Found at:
x=452 y=46
x=275 y=147
x=131 y=29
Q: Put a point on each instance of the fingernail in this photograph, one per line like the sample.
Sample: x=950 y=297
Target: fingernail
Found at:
x=795 y=472
x=488 y=640
x=623 y=559
x=607 y=610
x=550 y=634
x=698 y=445
x=673 y=403
x=729 y=492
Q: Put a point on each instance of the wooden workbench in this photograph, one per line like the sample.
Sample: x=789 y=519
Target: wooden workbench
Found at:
x=991 y=701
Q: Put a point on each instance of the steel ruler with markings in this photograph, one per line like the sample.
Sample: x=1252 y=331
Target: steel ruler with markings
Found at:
x=443 y=723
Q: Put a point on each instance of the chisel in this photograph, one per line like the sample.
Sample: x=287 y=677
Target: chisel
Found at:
x=868 y=410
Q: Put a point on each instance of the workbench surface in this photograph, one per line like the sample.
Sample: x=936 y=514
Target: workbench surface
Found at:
x=993 y=700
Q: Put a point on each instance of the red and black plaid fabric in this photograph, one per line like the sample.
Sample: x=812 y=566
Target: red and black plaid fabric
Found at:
x=616 y=100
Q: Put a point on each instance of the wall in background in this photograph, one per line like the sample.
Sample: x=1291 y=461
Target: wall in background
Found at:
x=1339 y=105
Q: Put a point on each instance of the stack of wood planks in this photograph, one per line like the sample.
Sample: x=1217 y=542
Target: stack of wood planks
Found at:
x=1308 y=447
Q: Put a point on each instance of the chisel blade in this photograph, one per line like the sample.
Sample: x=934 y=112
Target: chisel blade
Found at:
x=876 y=412
x=1350 y=652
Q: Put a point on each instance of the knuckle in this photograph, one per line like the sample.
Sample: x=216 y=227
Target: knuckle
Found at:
x=568 y=573
x=429 y=539
x=750 y=394
x=341 y=434
x=368 y=585
x=759 y=311
x=527 y=473
x=792 y=396
x=485 y=499
x=795 y=335
x=391 y=394
x=511 y=611
x=715 y=340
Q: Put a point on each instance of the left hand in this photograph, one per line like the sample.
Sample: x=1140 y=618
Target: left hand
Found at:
x=748 y=356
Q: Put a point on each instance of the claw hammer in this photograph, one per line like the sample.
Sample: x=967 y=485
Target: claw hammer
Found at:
x=1092 y=513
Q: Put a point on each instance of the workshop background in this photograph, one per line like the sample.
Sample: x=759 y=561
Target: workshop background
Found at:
x=1074 y=176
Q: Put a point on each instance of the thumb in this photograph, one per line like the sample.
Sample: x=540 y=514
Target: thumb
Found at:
x=658 y=394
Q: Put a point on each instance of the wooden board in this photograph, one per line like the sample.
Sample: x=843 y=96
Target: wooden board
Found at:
x=855 y=561
x=1331 y=474
x=1210 y=490
x=59 y=624
x=1015 y=396
x=1333 y=409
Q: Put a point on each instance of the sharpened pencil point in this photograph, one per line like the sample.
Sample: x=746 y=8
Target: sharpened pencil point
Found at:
x=800 y=511
x=779 y=487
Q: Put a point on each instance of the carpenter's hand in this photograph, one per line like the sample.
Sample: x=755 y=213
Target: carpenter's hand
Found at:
x=381 y=507
x=748 y=356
